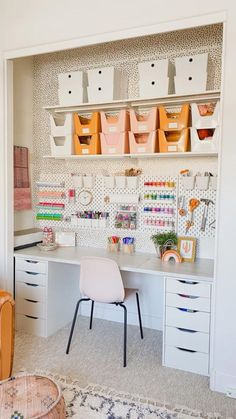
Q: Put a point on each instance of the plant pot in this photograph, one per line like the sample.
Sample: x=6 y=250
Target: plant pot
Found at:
x=158 y=250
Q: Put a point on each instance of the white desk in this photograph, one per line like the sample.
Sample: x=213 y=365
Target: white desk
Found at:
x=47 y=288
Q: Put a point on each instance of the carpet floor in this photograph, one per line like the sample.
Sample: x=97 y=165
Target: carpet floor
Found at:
x=96 y=357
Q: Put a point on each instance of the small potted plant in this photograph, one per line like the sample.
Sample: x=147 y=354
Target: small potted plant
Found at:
x=164 y=241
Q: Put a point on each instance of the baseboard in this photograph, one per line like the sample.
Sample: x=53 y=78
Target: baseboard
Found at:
x=220 y=381
x=115 y=314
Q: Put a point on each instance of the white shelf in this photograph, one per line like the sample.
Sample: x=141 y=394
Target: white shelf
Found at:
x=137 y=102
x=131 y=156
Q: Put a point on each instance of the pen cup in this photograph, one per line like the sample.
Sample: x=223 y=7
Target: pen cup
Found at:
x=113 y=247
x=128 y=248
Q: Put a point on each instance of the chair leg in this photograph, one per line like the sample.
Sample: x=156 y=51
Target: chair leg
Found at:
x=73 y=323
x=139 y=316
x=91 y=315
x=125 y=333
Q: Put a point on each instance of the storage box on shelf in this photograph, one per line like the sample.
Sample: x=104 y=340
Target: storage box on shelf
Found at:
x=143 y=143
x=62 y=145
x=87 y=145
x=61 y=124
x=115 y=143
x=173 y=141
x=191 y=74
x=173 y=121
x=202 y=118
x=207 y=144
x=154 y=78
x=115 y=122
x=143 y=121
x=87 y=125
x=106 y=84
x=187 y=325
x=72 y=88
x=114 y=136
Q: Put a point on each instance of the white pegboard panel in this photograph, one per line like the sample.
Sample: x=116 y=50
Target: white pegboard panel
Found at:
x=195 y=230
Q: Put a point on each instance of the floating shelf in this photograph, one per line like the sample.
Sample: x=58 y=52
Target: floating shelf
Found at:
x=131 y=156
x=173 y=100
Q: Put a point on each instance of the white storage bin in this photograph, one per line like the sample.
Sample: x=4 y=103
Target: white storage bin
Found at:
x=62 y=146
x=61 y=124
x=72 y=96
x=202 y=182
x=213 y=182
x=88 y=181
x=153 y=87
x=188 y=182
x=208 y=145
x=190 y=83
x=103 y=75
x=106 y=92
x=210 y=121
x=72 y=79
x=191 y=64
x=103 y=223
x=132 y=182
x=186 y=360
x=184 y=338
x=120 y=182
x=109 y=182
x=154 y=68
x=77 y=181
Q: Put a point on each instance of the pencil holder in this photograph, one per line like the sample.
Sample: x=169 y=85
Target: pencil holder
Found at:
x=128 y=248
x=113 y=247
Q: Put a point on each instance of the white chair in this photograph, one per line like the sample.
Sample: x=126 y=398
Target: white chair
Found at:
x=100 y=281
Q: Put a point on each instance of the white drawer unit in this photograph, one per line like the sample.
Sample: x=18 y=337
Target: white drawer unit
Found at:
x=188 y=302
x=31 y=265
x=188 y=319
x=186 y=360
x=31 y=277
x=31 y=324
x=188 y=287
x=30 y=291
x=31 y=308
x=188 y=339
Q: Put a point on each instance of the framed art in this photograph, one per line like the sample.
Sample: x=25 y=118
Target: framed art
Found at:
x=187 y=248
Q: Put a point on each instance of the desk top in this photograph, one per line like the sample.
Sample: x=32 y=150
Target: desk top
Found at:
x=145 y=263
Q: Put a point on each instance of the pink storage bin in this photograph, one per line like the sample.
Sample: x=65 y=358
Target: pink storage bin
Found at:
x=143 y=122
x=114 y=143
x=143 y=143
x=115 y=122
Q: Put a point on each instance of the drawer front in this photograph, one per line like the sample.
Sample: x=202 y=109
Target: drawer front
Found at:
x=30 y=292
x=31 y=325
x=195 y=320
x=31 y=308
x=31 y=265
x=188 y=287
x=188 y=361
x=183 y=338
x=31 y=277
x=184 y=301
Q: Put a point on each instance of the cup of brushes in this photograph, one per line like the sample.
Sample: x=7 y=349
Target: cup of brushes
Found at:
x=113 y=244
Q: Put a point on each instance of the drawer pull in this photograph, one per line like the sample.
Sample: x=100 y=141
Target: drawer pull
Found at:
x=187 y=296
x=31 y=317
x=187 y=310
x=188 y=282
x=31 y=285
x=186 y=330
x=186 y=350
x=32 y=261
x=31 y=301
x=32 y=273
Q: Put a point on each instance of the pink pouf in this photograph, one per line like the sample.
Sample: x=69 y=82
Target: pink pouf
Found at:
x=31 y=396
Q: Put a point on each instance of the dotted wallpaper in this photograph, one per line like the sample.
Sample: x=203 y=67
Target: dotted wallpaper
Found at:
x=124 y=55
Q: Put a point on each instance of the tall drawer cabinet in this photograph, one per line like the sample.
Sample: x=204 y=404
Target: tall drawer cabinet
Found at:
x=45 y=300
x=187 y=319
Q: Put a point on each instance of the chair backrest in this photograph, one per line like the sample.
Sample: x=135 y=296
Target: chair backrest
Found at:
x=100 y=280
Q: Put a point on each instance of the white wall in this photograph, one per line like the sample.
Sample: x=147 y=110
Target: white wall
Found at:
x=33 y=23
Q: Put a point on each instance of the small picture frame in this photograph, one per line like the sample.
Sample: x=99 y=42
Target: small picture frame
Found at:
x=187 y=248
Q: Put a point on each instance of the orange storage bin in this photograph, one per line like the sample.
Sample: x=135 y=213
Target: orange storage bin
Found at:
x=89 y=144
x=143 y=143
x=173 y=141
x=87 y=125
x=115 y=143
x=115 y=122
x=143 y=122
x=174 y=121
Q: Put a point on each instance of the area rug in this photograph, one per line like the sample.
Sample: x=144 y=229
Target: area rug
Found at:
x=98 y=402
